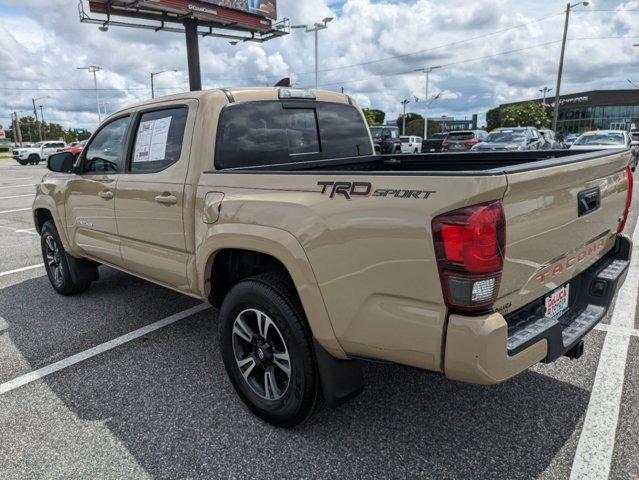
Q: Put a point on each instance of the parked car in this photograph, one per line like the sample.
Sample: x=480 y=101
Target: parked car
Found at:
x=75 y=148
x=602 y=139
x=474 y=269
x=463 y=141
x=551 y=140
x=570 y=138
x=411 y=144
x=434 y=144
x=386 y=140
x=37 y=153
x=509 y=139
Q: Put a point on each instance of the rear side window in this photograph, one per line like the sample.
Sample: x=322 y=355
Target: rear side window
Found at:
x=458 y=136
x=268 y=133
x=158 y=140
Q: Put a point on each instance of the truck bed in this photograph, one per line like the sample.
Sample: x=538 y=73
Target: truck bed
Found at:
x=448 y=164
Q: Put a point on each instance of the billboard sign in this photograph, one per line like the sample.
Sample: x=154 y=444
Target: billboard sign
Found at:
x=264 y=8
x=251 y=15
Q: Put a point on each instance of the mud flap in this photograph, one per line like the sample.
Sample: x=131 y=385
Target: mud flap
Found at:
x=81 y=270
x=341 y=380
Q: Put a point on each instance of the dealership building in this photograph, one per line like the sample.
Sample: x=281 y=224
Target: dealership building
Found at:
x=594 y=110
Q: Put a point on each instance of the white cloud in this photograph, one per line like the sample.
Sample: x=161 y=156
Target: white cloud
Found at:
x=43 y=43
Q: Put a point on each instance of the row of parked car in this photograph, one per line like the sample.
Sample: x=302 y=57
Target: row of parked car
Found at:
x=41 y=151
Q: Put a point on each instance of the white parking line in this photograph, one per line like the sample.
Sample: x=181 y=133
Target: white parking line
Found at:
x=604 y=327
x=31 y=231
x=17 y=186
x=597 y=441
x=103 y=347
x=15 y=210
x=17 y=196
x=23 y=269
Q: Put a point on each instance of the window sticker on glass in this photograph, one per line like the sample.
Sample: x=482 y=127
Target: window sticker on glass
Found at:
x=150 y=145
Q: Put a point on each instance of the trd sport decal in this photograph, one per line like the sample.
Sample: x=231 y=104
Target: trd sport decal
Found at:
x=365 y=189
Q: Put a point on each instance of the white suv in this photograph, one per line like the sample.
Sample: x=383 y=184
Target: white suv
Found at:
x=411 y=144
x=37 y=153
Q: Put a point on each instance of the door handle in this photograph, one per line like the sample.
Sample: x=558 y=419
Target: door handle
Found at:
x=166 y=199
x=106 y=194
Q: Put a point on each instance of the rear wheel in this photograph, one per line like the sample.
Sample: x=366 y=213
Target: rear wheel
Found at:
x=267 y=350
x=57 y=264
x=34 y=159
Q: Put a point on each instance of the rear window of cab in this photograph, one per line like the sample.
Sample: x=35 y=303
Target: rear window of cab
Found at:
x=273 y=132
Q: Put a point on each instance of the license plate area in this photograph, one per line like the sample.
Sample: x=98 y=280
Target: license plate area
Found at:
x=557 y=302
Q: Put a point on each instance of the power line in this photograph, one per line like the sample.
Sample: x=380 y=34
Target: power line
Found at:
x=474 y=59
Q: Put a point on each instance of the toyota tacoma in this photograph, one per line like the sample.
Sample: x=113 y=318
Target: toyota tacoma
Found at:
x=271 y=205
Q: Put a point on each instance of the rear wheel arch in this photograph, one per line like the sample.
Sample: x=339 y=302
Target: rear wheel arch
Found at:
x=277 y=251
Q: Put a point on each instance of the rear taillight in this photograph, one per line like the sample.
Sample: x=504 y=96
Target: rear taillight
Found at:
x=469 y=245
x=472 y=141
x=445 y=143
x=622 y=224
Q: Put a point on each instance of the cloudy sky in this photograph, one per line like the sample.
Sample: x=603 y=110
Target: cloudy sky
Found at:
x=492 y=51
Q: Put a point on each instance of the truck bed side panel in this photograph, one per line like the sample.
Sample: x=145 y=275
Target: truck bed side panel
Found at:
x=372 y=255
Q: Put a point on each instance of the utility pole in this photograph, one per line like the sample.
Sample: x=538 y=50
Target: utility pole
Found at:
x=94 y=69
x=427 y=71
x=35 y=114
x=404 y=103
x=316 y=28
x=569 y=7
x=17 y=131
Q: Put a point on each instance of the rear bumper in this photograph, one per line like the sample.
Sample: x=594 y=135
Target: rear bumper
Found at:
x=491 y=348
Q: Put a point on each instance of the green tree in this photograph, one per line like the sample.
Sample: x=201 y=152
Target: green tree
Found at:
x=416 y=127
x=410 y=117
x=530 y=114
x=374 y=117
x=493 y=118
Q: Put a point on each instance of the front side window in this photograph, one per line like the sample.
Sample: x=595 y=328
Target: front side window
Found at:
x=158 y=140
x=268 y=133
x=105 y=152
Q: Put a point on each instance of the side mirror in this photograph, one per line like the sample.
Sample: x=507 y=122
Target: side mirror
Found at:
x=61 y=162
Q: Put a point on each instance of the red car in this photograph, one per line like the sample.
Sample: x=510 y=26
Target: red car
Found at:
x=75 y=149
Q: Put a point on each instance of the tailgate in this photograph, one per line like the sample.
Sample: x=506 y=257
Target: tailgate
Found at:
x=549 y=238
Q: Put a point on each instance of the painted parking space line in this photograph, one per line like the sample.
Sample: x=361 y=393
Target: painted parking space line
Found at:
x=15 y=210
x=4 y=326
x=17 y=196
x=593 y=457
x=617 y=330
x=103 y=347
x=23 y=269
x=3 y=187
x=30 y=231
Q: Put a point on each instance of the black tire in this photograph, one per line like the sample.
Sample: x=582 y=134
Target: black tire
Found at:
x=34 y=159
x=415 y=151
x=57 y=264
x=300 y=392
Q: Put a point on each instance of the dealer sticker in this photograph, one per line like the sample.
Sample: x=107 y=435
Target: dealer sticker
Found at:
x=557 y=302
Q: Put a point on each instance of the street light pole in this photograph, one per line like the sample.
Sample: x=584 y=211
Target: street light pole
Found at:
x=155 y=74
x=315 y=28
x=561 y=61
x=545 y=91
x=404 y=103
x=427 y=71
x=94 y=69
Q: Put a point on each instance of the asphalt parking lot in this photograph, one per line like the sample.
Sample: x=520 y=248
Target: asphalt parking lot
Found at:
x=160 y=405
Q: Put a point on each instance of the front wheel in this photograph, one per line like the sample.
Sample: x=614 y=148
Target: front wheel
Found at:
x=34 y=159
x=267 y=350
x=57 y=263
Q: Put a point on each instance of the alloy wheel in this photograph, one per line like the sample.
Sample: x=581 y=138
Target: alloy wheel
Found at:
x=261 y=354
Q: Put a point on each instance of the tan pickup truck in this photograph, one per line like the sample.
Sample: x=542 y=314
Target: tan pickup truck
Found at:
x=270 y=204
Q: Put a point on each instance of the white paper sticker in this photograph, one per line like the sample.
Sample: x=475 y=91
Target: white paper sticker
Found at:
x=150 y=145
